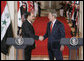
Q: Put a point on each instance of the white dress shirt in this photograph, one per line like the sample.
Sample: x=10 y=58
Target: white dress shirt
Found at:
x=53 y=22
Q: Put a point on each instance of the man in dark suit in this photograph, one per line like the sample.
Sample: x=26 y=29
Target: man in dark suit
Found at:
x=55 y=31
x=28 y=32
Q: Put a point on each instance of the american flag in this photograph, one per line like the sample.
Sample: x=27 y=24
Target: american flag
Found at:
x=30 y=6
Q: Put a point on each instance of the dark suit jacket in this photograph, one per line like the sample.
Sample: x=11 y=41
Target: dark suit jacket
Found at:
x=28 y=32
x=57 y=33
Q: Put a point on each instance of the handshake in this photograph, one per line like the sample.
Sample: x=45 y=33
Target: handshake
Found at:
x=41 y=38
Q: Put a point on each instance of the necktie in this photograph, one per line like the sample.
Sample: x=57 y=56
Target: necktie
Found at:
x=51 y=27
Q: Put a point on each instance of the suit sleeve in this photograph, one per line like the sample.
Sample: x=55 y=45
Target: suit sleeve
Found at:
x=62 y=30
x=27 y=31
x=46 y=34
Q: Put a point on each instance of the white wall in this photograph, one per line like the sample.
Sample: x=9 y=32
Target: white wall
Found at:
x=42 y=4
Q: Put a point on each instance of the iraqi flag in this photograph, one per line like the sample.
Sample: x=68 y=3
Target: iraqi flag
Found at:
x=22 y=9
x=6 y=27
x=19 y=14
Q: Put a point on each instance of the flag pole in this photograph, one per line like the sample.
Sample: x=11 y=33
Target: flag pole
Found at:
x=15 y=18
x=12 y=54
x=15 y=24
x=10 y=18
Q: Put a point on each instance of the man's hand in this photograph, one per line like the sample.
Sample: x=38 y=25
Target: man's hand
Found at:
x=41 y=38
x=61 y=48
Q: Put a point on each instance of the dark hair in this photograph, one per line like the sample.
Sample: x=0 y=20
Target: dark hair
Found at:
x=27 y=14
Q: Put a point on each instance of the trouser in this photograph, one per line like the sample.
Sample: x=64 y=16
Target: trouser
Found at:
x=54 y=53
x=39 y=12
x=27 y=54
x=73 y=23
x=65 y=13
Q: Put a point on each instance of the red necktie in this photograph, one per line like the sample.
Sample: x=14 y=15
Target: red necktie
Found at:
x=51 y=27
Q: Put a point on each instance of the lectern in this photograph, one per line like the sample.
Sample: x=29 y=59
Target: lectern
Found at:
x=20 y=44
x=72 y=43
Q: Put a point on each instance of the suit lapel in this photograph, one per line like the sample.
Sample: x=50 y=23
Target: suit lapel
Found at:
x=31 y=27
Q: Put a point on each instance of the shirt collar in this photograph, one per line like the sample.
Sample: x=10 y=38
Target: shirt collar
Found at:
x=54 y=21
x=29 y=22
